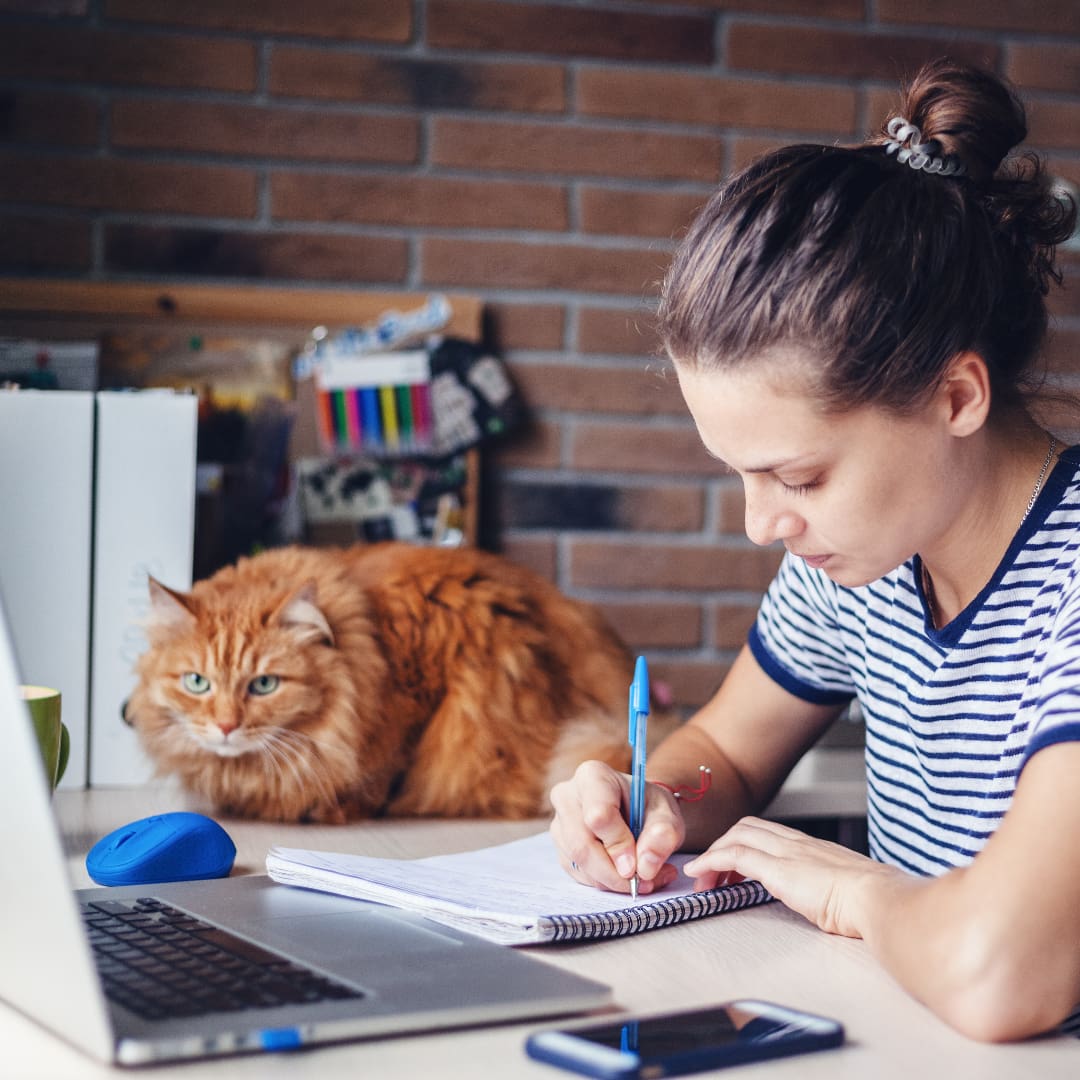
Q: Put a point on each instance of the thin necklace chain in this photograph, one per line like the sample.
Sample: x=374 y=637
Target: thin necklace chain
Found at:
x=928 y=585
x=1042 y=477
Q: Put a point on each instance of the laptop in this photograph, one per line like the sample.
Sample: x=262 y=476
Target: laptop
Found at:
x=306 y=967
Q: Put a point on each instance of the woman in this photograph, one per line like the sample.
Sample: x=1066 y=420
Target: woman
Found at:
x=854 y=332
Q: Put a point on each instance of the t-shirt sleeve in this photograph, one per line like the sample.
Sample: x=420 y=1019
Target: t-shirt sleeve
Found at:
x=797 y=638
x=1057 y=716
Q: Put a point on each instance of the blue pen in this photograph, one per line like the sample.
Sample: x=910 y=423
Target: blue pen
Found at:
x=638 y=725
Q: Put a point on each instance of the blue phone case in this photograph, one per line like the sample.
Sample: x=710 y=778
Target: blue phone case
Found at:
x=672 y=1044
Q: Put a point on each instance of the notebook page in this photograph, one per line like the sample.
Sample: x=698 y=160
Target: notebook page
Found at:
x=519 y=881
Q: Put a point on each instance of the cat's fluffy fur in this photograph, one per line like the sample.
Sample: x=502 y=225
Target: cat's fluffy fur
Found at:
x=410 y=681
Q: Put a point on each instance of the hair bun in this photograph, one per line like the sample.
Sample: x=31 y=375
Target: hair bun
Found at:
x=971 y=114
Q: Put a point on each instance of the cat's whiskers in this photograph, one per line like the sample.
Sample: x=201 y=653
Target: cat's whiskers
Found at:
x=235 y=744
x=281 y=746
x=292 y=733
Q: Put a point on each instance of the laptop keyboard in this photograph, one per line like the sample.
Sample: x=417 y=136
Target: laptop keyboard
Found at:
x=161 y=962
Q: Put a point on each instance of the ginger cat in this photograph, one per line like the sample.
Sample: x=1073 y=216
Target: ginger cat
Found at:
x=314 y=684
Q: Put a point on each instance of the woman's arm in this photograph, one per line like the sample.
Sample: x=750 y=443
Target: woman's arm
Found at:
x=750 y=735
x=993 y=948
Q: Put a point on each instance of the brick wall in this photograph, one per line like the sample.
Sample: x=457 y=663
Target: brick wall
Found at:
x=542 y=155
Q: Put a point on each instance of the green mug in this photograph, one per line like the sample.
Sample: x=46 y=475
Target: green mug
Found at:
x=52 y=736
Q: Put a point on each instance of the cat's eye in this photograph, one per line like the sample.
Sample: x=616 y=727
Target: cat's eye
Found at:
x=262 y=685
x=195 y=683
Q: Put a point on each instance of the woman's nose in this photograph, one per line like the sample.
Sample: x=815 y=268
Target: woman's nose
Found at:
x=767 y=520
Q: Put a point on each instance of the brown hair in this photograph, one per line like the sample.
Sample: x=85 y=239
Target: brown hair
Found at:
x=880 y=272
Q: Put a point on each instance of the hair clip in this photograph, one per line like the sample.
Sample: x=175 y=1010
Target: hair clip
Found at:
x=688 y=793
x=918 y=154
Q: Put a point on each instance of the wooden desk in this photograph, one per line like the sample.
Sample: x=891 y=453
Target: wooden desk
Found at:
x=764 y=952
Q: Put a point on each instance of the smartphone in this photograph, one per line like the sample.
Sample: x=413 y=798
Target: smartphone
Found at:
x=671 y=1044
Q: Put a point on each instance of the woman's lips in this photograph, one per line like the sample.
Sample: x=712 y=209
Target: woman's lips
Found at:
x=815 y=561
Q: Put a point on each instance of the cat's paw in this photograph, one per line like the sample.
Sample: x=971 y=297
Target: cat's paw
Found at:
x=324 y=814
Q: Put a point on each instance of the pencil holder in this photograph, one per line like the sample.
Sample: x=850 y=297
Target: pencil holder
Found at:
x=374 y=403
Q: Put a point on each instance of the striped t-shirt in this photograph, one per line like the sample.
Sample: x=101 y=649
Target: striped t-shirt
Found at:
x=952 y=715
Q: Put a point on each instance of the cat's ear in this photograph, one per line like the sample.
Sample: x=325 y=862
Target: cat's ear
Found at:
x=301 y=612
x=169 y=610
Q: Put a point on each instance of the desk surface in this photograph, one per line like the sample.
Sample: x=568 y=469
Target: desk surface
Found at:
x=765 y=952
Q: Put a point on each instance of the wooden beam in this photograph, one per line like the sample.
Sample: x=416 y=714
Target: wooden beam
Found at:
x=222 y=304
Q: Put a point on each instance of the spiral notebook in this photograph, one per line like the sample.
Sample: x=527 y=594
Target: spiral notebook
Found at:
x=512 y=894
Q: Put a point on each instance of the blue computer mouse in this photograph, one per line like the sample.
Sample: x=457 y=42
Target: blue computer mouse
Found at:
x=178 y=846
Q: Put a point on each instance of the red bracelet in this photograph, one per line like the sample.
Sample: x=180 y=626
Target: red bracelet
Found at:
x=688 y=793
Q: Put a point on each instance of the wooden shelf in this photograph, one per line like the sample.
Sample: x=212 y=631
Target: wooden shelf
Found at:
x=242 y=305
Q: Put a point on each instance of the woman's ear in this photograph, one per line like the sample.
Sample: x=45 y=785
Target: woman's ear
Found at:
x=965 y=393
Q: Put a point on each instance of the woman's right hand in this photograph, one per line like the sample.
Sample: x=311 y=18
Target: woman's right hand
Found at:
x=596 y=846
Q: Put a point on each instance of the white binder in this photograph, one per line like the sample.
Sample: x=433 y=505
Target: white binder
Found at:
x=144 y=523
x=112 y=474
x=46 y=479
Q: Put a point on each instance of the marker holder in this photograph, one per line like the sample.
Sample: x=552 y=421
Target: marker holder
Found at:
x=374 y=403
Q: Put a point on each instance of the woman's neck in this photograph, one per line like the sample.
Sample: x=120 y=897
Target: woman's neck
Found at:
x=993 y=490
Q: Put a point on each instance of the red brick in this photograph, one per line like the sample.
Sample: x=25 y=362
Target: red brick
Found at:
x=534 y=553
x=1059 y=17
x=745 y=150
x=842 y=54
x=1053 y=123
x=638 y=213
x=630 y=447
x=1044 y=67
x=732 y=624
x=525 y=326
x=666 y=509
x=330 y=74
x=881 y=105
x=692 y=683
x=624 y=331
x=538 y=445
x=1061 y=351
x=385 y=20
x=615 y=389
x=719 y=102
x=568 y=31
x=1065 y=301
x=417 y=201
x=264 y=132
x=732 y=516
x=28 y=245
x=571 y=149
x=266 y=256
x=44 y=117
x=821 y=9
x=108 y=184
x=110 y=57
x=46 y=7
x=501 y=264
x=659 y=624
x=617 y=564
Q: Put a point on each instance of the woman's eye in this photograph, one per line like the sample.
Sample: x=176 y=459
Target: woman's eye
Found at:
x=195 y=683
x=800 y=489
x=263 y=684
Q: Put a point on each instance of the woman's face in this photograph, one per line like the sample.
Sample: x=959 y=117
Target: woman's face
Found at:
x=854 y=493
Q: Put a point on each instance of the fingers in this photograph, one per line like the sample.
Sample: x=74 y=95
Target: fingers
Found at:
x=594 y=840
x=746 y=850
x=662 y=833
x=589 y=829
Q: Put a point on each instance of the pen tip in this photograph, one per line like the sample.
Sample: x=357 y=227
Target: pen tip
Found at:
x=633 y=887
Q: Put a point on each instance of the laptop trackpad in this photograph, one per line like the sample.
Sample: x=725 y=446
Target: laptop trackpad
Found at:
x=344 y=936
x=322 y=928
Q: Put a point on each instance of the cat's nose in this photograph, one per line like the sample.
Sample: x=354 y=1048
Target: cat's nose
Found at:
x=227 y=724
x=124 y=714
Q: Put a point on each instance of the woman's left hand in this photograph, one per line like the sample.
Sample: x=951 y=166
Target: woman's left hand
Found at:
x=825 y=882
